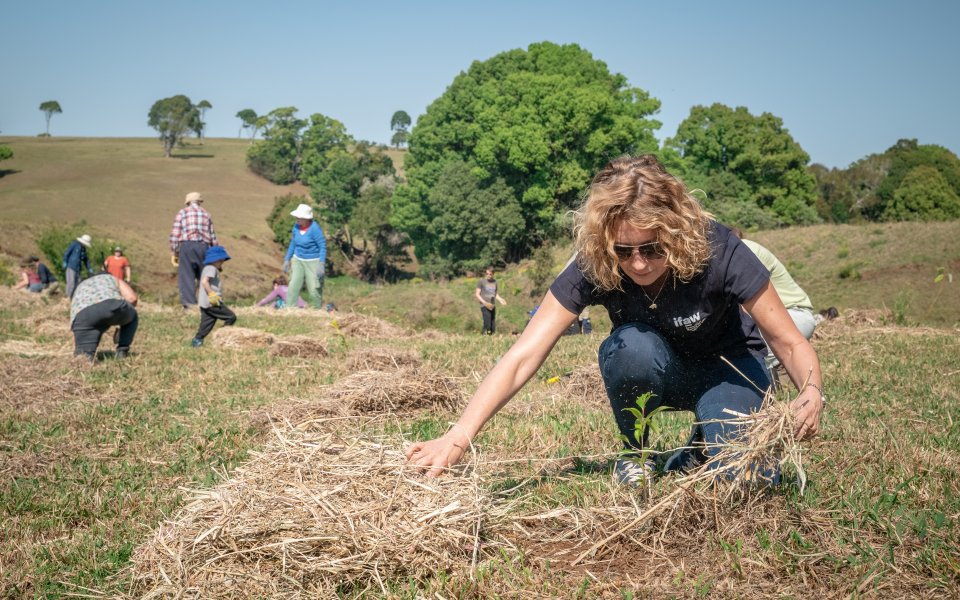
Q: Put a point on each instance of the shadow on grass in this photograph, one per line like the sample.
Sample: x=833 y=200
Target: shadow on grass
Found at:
x=5 y=172
x=188 y=156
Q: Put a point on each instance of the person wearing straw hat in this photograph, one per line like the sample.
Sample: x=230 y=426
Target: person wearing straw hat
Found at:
x=305 y=258
x=192 y=234
x=73 y=258
x=687 y=301
x=118 y=265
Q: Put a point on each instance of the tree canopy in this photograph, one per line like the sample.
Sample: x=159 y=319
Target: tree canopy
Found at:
x=173 y=118
x=50 y=108
x=752 y=170
x=399 y=124
x=203 y=106
x=876 y=187
x=536 y=123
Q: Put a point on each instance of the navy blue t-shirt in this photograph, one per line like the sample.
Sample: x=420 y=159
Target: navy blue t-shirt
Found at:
x=701 y=317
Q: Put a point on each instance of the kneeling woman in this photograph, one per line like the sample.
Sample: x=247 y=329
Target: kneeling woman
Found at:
x=99 y=303
x=673 y=281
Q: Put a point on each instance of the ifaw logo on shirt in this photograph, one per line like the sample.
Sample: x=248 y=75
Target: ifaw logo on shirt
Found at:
x=692 y=323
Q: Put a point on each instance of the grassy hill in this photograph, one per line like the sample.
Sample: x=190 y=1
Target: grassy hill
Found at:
x=126 y=190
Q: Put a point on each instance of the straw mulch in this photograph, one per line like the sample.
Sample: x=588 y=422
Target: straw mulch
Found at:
x=11 y=298
x=396 y=391
x=311 y=515
x=380 y=359
x=647 y=542
x=584 y=383
x=241 y=337
x=366 y=393
x=356 y=325
x=38 y=386
x=299 y=346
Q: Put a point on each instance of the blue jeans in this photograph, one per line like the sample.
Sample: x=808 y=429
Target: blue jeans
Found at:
x=636 y=359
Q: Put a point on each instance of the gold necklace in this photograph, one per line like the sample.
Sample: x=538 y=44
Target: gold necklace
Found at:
x=653 y=301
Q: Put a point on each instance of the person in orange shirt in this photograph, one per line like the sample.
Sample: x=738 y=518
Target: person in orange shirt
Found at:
x=118 y=265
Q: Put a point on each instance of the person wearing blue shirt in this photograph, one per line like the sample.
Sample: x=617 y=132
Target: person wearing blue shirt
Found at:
x=73 y=259
x=305 y=258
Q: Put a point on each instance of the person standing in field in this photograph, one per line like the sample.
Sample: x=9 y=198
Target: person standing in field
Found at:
x=75 y=257
x=305 y=258
x=98 y=303
x=684 y=296
x=486 y=294
x=118 y=265
x=212 y=307
x=192 y=234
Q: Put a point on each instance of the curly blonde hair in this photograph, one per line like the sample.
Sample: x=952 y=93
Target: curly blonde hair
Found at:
x=639 y=191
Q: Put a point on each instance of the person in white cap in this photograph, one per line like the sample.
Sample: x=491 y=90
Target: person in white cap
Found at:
x=75 y=257
x=191 y=235
x=306 y=257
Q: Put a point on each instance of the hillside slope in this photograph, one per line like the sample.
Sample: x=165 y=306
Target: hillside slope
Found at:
x=126 y=190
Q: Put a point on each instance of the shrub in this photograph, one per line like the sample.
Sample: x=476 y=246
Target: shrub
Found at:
x=53 y=243
x=279 y=219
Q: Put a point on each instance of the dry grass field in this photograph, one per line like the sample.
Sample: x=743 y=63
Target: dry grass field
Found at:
x=268 y=463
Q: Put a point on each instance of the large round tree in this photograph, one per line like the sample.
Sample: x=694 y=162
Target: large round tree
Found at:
x=539 y=121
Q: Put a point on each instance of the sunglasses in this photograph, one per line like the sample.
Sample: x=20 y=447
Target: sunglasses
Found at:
x=649 y=251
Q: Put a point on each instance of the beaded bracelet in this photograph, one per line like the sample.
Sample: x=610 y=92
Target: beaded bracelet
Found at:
x=823 y=397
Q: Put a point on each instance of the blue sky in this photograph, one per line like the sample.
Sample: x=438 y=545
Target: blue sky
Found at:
x=847 y=78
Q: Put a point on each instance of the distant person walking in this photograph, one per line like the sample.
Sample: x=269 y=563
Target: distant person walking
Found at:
x=73 y=259
x=100 y=302
x=486 y=294
x=305 y=258
x=118 y=265
x=190 y=237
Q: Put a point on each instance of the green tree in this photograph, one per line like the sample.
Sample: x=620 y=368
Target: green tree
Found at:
x=203 y=106
x=470 y=221
x=924 y=194
x=248 y=119
x=277 y=156
x=400 y=124
x=5 y=152
x=536 y=123
x=173 y=118
x=50 y=108
x=741 y=159
x=901 y=159
x=399 y=138
x=383 y=251
x=836 y=202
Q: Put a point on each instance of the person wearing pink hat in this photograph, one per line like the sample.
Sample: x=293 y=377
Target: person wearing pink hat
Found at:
x=191 y=235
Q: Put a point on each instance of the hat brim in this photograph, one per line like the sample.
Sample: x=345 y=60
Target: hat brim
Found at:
x=85 y=243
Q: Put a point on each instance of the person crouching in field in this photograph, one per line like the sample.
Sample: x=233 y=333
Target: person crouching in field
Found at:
x=98 y=303
x=278 y=297
x=210 y=296
x=673 y=281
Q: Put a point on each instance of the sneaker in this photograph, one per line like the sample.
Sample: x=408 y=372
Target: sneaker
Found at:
x=122 y=353
x=196 y=342
x=690 y=456
x=633 y=473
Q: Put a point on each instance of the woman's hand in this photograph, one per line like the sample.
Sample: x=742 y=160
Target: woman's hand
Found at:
x=807 y=408
x=436 y=456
